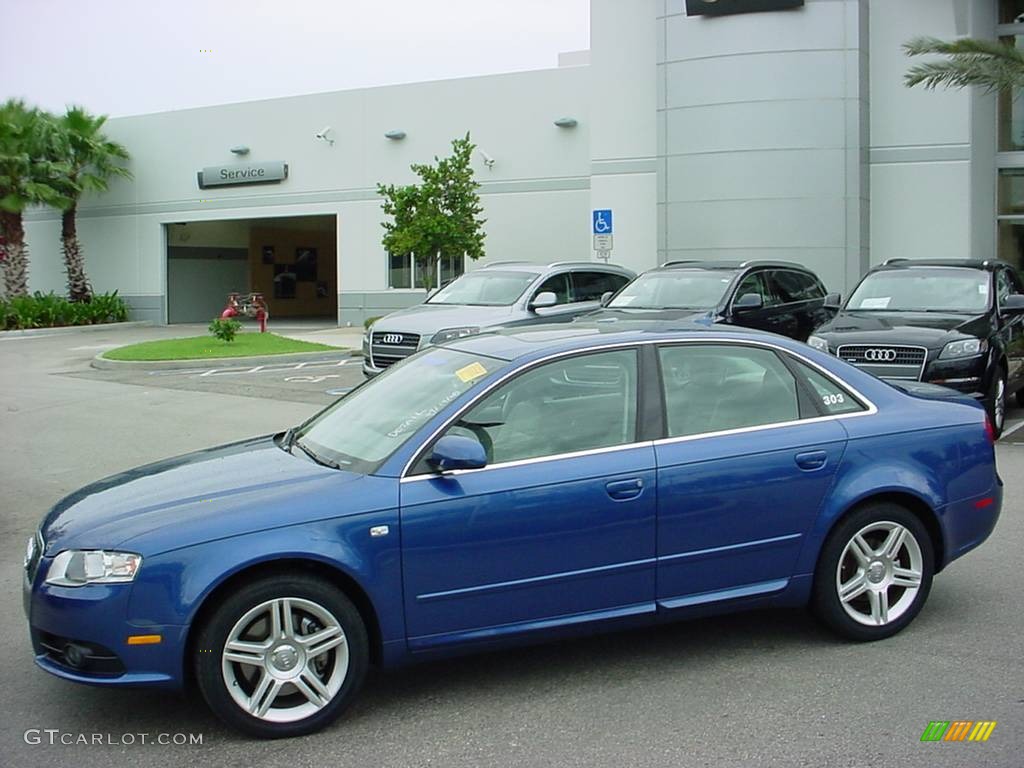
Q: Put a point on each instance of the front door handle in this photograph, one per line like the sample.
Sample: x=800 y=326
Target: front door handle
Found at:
x=811 y=460
x=621 y=490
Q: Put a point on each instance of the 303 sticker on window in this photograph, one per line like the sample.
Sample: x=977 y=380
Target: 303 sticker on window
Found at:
x=471 y=372
x=833 y=399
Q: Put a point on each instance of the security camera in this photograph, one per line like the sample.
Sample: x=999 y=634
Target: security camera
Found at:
x=322 y=135
x=488 y=160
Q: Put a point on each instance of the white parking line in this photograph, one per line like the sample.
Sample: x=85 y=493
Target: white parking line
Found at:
x=1010 y=430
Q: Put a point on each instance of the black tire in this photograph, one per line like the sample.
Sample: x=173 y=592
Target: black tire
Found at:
x=825 y=599
x=995 y=402
x=210 y=642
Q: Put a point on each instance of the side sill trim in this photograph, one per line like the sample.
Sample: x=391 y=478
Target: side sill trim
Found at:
x=747 y=590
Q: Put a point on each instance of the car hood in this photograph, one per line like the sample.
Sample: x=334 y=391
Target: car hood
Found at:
x=213 y=493
x=428 y=319
x=925 y=329
x=624 y=314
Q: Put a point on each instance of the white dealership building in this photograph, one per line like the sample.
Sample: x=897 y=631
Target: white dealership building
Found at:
x=782 y=134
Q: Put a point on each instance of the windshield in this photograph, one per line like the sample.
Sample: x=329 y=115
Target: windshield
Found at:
x=675 y=289
x=485 y=288
x=366 y=426
x=917 y=289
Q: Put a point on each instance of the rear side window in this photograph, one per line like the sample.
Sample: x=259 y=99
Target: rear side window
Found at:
x=797 y=286
x=831 y=398
x=590 y=286
x=717 y=387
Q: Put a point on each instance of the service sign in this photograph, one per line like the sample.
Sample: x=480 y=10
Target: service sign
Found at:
x=725 y=7
x=250 y=173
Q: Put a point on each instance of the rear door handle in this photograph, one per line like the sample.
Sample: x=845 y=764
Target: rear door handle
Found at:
x=811 y=460
x=621 y=490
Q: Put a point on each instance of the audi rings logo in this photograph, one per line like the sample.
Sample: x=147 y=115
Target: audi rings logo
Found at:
x=392 y=338
x=880 y=355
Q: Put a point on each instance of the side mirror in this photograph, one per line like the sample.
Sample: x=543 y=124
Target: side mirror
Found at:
x=606 y=297
x=748 y=302
x=544 y=299
x=453 y=452
x=1013 y=304
x=833 y=301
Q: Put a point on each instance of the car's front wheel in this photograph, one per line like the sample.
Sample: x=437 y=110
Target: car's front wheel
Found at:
x=874 y=573
x=282 y=657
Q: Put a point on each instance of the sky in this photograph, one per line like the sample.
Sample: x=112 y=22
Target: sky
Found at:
x=128 y=57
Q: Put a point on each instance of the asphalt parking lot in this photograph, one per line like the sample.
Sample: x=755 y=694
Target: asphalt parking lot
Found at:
x=751 y=689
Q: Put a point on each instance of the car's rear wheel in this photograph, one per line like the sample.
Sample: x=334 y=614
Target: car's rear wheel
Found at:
x=996 y=403
x=282 y=656
x=874 y=573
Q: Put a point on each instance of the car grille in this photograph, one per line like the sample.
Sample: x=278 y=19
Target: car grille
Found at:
x=389 y=347
x=886 y=361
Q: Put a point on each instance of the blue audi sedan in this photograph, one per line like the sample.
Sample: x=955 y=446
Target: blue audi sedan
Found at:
x=509 y=487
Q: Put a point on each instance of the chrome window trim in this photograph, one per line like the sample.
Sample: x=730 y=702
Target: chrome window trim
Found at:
x=870 y=408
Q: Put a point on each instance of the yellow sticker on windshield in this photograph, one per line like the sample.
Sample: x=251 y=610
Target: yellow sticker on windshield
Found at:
x=470 y=372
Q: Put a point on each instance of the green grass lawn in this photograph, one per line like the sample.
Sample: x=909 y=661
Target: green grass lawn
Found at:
x=199 y=347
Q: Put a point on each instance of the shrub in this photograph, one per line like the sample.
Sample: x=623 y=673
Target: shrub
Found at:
x=224 y=328
x=370 y=321
x=46 y=310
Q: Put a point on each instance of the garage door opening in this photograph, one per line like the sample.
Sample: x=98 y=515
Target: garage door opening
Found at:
x=292 y=261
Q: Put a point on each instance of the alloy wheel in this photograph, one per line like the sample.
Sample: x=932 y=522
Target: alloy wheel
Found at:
x=285 y=659
x=879 y=573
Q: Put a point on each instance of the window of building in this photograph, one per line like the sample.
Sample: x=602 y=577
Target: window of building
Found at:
x=1011 y=11
x=404 y=272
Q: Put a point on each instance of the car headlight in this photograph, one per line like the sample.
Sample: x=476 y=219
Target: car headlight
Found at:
x=452 y=333
x=965 y=348
x=818 y=343
x=76 y=567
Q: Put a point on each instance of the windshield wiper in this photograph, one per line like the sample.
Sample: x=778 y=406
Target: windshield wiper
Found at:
x=323 y=461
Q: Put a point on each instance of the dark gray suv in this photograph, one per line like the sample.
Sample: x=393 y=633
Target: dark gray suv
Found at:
x=500 y=294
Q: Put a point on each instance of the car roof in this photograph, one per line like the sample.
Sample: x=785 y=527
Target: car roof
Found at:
x=539 y=267
x=986 y=264
x=535 y=340
x=734 y=264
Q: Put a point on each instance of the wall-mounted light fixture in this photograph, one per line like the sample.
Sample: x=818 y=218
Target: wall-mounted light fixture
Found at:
x=566 y=122
x=396 y=135
x=240 y=149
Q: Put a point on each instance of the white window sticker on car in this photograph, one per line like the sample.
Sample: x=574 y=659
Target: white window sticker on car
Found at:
x=877 y=303
x=834 y=399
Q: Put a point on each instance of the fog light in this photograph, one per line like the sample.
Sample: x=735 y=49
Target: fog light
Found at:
x=74 y=655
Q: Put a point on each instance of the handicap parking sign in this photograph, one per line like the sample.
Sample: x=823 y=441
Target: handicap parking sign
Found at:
x=602 y=219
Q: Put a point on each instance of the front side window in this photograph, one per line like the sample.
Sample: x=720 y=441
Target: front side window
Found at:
x=573 y=404
x=675 y=289
x=755 y=283
x=717 y=387
x=558 y=285
x=364 y=428
x=485 y=288
x=923 y=289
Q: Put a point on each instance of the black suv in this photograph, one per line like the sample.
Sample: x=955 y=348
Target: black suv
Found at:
x=958 y=323
x=772 y=296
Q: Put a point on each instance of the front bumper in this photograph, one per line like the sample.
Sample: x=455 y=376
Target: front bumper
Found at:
x=94 y=619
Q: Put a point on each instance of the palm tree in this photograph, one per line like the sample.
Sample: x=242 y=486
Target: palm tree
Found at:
x=90 y=159
x=27 y=177
x=989 y=64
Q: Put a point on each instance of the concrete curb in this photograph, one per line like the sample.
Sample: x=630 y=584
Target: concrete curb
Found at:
x=104 y=364
x=62 y=329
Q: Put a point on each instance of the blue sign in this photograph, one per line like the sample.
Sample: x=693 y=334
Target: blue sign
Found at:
x=603 y=221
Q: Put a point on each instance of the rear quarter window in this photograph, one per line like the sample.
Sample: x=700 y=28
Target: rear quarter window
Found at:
x=831 y=397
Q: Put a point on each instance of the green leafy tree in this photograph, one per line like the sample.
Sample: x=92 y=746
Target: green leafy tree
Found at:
x=989 y=64
x=439 y=216
x=28 y=176
x=89 y=160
